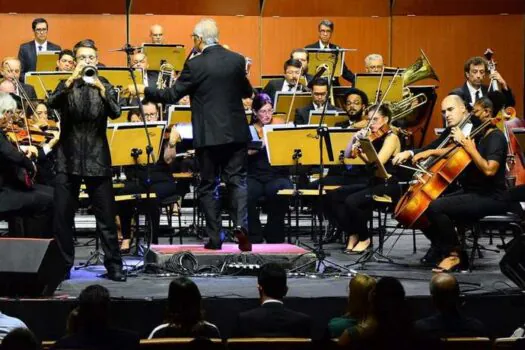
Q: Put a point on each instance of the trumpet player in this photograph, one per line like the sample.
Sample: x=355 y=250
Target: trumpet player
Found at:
x=85 y=101
x=139 y=60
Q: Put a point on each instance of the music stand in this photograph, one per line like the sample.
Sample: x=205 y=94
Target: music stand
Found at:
x=369 y=82
x=338 y=96
x=158 y=54
x=45 y=82
x=46 y=61
x=124 y=112
x=320 y=57
x=120 y=77
x=179 y=114
x=265 y=79
x=285 y=99
x=331 y=118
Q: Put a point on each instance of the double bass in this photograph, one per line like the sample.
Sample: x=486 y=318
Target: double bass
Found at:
x=433 y=182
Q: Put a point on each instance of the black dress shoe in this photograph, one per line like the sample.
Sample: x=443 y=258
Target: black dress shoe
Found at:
x=117 y=275
x=242 y=236
x=213 y=246
x=432 y=257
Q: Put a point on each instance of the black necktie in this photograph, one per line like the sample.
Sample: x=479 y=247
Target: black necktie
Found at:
x=39 y=47
x=290 y=87
x=478 y=95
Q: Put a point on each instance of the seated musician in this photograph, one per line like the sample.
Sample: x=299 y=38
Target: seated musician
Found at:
x=301 y=55
x=351 y=206
x=476 y=69
x=66 y=61
x=290 y=82
x=139 y=60
x=156 y=34
x=16 y=199
x=374 y=63
x=162 y=182
x=356 y=103
x=319 y=99
x=265 y=181
x=10 y=70
x=483 y=187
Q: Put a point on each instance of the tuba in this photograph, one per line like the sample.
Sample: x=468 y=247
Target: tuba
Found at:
x=419 y=70
x=166 y=75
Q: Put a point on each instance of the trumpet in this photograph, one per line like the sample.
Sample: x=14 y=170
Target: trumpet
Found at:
x=89 y=74
x=166 y=75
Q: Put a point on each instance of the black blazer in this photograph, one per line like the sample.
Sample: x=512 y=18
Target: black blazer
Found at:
x=216 y=82
x=10 y=158
x=273 y=320
x=29 y=90
x=347 y=73
x=302 y=115
x=153 y=76
x=464 y=93
x=27 y=55
x=275 y=85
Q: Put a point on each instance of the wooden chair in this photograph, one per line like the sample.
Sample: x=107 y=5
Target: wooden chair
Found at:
x=269 y=343
x=509 y=343
x=467 y=343
x=47 y=344
x=174 y=344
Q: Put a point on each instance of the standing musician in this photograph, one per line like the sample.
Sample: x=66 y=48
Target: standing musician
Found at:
x=326 y=29
x=216 y=82
x=476 y=69
x=28 y=51
x=290 y=82
x=265 y=180
x=319 y=99
x=351 y=206
x=374 y=63
x=15 y=198
x=11 y=70
x=483 y=186
x=83 y=154
x=302 y=56
x=66 y=61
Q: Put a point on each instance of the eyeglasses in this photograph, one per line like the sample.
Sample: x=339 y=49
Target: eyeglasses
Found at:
x=84 y=58
x=41 y=30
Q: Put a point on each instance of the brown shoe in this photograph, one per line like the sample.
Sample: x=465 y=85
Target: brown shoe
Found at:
x=242 y=236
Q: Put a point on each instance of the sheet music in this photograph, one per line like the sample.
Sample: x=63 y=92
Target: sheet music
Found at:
x=185 y=131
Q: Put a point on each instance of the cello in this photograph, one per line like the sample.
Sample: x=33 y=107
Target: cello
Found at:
x=515 y=174
x=433 y=182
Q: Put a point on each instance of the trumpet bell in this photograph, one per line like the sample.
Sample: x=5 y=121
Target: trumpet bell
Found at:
x=89 y=74
x=419 y=70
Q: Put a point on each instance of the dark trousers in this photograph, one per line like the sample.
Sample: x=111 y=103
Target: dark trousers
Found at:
x=276 y=208
x=100 y=191
x=29 y=212
x=228 y=163
x=459 y=206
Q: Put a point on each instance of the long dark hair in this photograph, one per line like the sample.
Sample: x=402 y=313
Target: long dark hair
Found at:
x=184 y=304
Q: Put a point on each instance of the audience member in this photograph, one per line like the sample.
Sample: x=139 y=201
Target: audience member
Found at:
x=20 y=339
x=357 y=308
x=92 y=325
x=8 y=323
x=449 y=320
x=272 y=319
x=185 y=314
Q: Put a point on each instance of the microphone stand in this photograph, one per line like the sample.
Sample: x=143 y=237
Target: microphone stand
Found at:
x=323 y=136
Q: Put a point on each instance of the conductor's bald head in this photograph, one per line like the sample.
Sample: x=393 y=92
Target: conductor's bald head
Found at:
x=444 y=289
x=205 y=33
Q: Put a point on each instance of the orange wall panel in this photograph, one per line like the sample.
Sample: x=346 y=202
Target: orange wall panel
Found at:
x=449 y=41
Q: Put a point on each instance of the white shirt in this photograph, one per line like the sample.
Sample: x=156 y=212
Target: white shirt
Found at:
x=286 y=87
x=272 y=301
x=322 y=46
x=317 y=108
x=44 y=46
x=472 y=90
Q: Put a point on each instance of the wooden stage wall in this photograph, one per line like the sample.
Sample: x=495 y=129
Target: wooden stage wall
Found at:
x=447 y=40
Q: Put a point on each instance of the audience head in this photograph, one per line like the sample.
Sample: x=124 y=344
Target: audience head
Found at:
x=205 y=33
x=388 y=299
x=66 y=61
x=20 y=339
x=326 y=28
x=40 y=28
x=444 y=289
x=93 y=307
x=85 y=52
x=272 y=282
x=475 y=69
x=262 y=109
x=356 y=102
x=184 y=303
x=301 y=55
x=453 y=110
x=320 y=91
x=72 y=322
x=374 y=63
x=292 y=71
x=359 y=295
x=156 y=33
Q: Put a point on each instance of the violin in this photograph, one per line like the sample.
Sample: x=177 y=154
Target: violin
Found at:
x=372 y=136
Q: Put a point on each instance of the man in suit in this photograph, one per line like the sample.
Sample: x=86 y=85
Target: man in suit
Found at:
x=11 y=69
x=473 y=89
x=374 y=63
x=139 y=60
x=319 y=99
x=326 y=29
x=66 y=61
x=290 y=82
x=28 y=51
x=216 y=82
x=301 y=55
x=272 y=318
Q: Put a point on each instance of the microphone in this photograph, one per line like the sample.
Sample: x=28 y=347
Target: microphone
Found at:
x=320 y=71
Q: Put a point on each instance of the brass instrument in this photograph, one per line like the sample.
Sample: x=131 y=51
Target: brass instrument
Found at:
x=89 y=74
x=419 y=70
x=407 y=106
x=166 y=75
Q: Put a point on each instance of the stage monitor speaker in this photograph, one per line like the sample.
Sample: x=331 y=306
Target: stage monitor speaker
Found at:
x=513 y=262
x=30 y=267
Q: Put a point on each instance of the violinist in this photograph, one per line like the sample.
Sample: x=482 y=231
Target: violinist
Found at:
x=290 y=82
x=265 y=180
x=83 y=155
x=16 y=199
x=319 y=99
x=351 y=206
x=482 y=193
